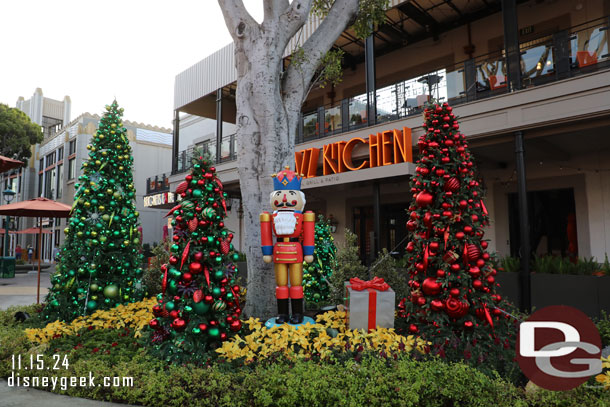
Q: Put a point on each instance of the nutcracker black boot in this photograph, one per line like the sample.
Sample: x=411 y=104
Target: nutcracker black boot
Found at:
x=282 y=310
x=297 y=310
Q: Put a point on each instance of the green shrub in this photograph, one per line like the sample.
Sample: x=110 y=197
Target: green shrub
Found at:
x=510 y=264
x=348 y=266
x=603 y=326
x=152 y=275
x=7 y=316
x=386 y=267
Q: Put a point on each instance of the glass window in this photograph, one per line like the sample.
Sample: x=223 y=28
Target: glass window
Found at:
x=41 y=164
x=60 y=153
x=72 y=168
x=60 y=180
x=50 y=181
x=40 y=181
x=72 y=147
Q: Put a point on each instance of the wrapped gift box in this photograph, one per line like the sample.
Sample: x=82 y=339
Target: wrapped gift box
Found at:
x=370 y=304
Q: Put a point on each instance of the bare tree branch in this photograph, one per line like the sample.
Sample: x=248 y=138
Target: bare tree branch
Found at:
x=294 y=16
x=297 y=78
x=273 y=8
x=236 y=17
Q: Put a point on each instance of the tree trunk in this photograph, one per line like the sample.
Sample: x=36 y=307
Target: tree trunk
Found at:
x=265 y=145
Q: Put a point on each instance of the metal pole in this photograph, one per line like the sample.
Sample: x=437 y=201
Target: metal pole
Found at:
x=5 y=254
x=39 y=256
x=218 y=125
x=376 y=221
x=525 y=292
x=370 y=77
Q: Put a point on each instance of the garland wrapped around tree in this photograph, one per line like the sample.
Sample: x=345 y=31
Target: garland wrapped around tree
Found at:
x=452 y=277
x=316 y=274
x=99 y=262
x=199 y=306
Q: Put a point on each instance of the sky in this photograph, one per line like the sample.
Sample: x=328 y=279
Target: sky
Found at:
x=95 y=51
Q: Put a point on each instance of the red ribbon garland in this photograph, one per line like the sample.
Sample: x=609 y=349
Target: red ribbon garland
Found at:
x=376 y=283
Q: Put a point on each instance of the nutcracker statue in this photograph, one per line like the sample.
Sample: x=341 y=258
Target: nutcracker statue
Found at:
x=295 y=242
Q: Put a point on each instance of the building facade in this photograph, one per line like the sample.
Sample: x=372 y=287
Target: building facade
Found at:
x=530 y=81
x=56 y=165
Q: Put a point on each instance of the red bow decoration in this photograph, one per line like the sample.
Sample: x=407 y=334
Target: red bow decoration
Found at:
x=376 y=283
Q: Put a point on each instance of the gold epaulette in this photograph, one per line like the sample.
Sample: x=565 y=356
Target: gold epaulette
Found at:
x=309 y=216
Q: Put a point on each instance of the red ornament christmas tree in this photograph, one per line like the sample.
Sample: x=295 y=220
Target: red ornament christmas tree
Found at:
x=199 y=307
x=452 y=277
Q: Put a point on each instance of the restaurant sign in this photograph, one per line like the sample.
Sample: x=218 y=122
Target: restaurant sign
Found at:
x=384 y=148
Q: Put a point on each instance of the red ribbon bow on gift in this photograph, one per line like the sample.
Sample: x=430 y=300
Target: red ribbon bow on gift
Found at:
x=376 y=283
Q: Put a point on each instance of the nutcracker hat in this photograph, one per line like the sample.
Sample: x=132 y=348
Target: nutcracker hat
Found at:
x=287 y=180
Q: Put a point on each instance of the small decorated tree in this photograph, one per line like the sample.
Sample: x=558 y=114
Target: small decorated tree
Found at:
x=317 y=274
x=100 y=262
x=452 y=278
x=199 y=305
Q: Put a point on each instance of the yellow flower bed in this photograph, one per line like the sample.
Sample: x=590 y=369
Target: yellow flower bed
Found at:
x=604 y=378
x=309 y=340
x=135 y=315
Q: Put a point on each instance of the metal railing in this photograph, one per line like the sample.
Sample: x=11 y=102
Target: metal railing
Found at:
x=227 y=153
x=581 y=49
x=160 y=183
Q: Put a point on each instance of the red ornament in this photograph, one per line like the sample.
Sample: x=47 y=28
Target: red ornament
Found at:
x=197 y=295
x=452 y=184
x=473 y=252
x=187 y=277
x=430 y=286
x=440 y=273
x=454 y=292
x=154 y=324
x=179 y=324
x=421 y=301
x=203 y=327
x=424 y=199
x=437 y=305
x=195 y=267
x=450 y=257
x=193 y=223
x=413 y=328
x=208 y=299
x=182 y=186
x=198 y=256
x=468 y=324
x=475 y=272
x=478 y=284
x=235 y=325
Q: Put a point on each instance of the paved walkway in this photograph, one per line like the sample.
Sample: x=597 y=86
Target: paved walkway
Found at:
x=21 y=290
x=26 y=397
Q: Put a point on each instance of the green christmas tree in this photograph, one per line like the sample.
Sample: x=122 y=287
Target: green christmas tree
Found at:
x=316 y=275
x=99 y=263
x=453 y=285
x=199 y=305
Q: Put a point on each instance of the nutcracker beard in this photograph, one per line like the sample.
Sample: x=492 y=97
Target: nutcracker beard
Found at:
x=285 y=223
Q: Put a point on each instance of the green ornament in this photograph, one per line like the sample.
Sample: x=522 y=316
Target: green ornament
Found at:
x=213 y=332
x=111 y=291
x=170 y=306
x=91 y=305
x=209 y=212
x=216 y=292
x=219 y=274
x=200 y=307
x=197 y=193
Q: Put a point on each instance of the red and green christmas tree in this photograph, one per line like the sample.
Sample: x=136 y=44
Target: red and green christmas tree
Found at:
x=199 y=306
x=452 y=277
x=316 y=274
x=99 y=262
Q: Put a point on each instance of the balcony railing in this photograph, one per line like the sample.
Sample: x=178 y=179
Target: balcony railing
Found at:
x=160 y=183
x=227 y=153
x=567 y=53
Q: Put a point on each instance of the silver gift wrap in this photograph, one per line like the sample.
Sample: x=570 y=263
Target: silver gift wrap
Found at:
x=357 y=305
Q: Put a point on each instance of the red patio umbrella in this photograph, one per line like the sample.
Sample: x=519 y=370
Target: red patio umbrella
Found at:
x=8 y=163
x=39 y=208
x=32 y=231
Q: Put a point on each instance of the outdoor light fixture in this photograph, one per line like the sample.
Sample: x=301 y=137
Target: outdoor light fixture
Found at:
x=333 y=224
x=8 y=195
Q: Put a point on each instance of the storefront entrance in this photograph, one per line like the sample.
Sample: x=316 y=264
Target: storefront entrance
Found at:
x=393 y=231
x=552 y=217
